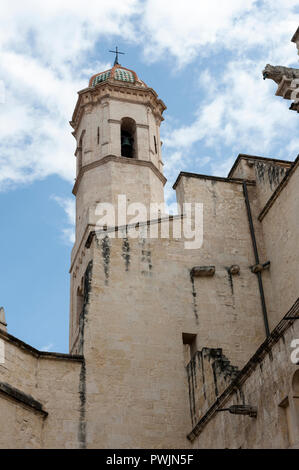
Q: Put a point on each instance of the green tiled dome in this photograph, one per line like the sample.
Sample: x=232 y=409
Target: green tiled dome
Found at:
x=116 y=73
x=101 y=77
x=124 y=75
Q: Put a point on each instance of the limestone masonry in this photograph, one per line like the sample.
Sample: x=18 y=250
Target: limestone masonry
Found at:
x=169 y=347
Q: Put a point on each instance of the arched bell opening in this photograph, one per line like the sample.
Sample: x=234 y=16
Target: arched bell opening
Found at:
x=128 y=138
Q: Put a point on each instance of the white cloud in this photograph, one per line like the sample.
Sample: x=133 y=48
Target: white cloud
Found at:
x=68 y=205
x=47 y=347
x=241 y=113
x=186 y=29
x=69 y=235
x=44 y=45
x=60 y=32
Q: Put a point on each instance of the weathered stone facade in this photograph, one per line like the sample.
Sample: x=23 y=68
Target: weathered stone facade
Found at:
x=163 y=337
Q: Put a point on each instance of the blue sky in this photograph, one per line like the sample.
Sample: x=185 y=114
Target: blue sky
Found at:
x=204 y=59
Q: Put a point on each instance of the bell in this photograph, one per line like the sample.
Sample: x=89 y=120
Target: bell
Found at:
x=126 y=141
x=126 y=146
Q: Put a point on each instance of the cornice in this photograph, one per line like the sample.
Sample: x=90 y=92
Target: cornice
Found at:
x=36 y=353
x=20 y=397
x=89 y=97
x=212 y=178
x=273 y=161
x=119 y=228
x=114 y=158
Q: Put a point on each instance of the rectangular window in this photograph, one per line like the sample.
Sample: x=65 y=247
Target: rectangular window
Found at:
x=190 y=346
x=155 y=142
x=98 y=136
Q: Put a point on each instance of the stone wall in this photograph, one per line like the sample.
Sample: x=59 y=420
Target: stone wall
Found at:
x=51 y=379
x=142 y=299
x=280 y=224
x=274 y=204
x=21 y=427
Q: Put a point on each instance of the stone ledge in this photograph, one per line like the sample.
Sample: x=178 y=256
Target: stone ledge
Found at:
x=245 y=156
x=105 y=88
x=210 y=177
x=22 y=397
x=117 y=159
x=124 y=228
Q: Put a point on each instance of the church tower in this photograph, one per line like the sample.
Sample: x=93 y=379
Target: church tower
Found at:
x=116 y=125
x=113 y=315
x=117 y=129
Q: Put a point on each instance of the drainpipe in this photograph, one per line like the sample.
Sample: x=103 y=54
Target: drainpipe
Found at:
x=257 y=260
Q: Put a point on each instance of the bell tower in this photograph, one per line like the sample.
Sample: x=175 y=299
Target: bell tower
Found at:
x=116 y=124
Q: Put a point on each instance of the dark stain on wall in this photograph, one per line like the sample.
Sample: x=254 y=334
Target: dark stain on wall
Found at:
x=194 y=297
x=126 y=253
x=230 y=280
x=82 y=380
x=192 y=384
x=82 y=419
x=146 y=258
x=105 y=245
x=191 y=371
x=267 y=172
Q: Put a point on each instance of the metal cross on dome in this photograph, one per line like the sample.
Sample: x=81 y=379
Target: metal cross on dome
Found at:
x=116 y=57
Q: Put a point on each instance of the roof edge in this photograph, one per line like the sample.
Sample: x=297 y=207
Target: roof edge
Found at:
x=39 y=354
x=210 y=177
x=256 y=157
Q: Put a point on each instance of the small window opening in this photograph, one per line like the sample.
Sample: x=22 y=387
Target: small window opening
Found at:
x=155 y=142
x=190 y=346
x=98 y=136
x=128 y=138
